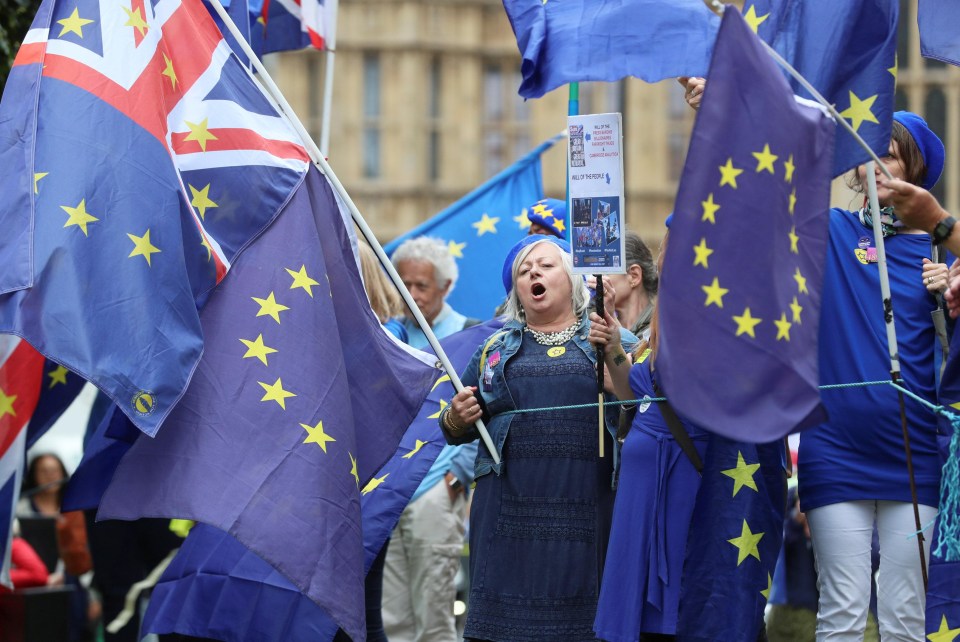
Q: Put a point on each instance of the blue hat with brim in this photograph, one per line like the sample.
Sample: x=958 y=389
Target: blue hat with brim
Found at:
x=931 y=147
x=551 y=214
x=507 y=273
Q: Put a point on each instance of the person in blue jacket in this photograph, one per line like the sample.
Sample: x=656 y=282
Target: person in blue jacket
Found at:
x=540 y=521
x=854 y=465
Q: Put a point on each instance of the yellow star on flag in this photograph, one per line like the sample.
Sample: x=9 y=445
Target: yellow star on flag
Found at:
x=859 y=111
x=742 y=475
x=302 y=280
x=372 y=484
x=169 y=72
x=201 y=199
x=275 y=392
x=765 y=159
x=436 y=415
x=801 y=281
x=57 y=376
x=486 y=224
x=753 y=20
x=783 y=327
x=135 y=20
x=73 y=24
x=746 y=544
x=746 y=323
x=893 y=70
x=766 y=592
x=788 y=168
x=714 y=293
x=257 y=349
x=456 y=249
x=436 y=383
x=793 y=200
x=944 y=633
x=199 y=133
x=316 y=435
x=79 y=216
x=6 y=404
x=729 y=173
x=205 y=243
x=793 y=240
x=522 y=220
x=142 y=246
x=709 y=209
x=416 y=448
x=702 y=253
x=796 y=308
x=36 y=179
x=270 y=307
x=353 y=469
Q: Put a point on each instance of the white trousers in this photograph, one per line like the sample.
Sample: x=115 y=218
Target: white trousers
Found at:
x=842 y=535
x=419 y=575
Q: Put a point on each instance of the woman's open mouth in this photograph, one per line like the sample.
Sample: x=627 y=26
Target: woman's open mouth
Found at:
x=537 y=290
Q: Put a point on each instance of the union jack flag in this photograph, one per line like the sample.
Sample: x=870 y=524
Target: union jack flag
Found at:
x=21 y=369
x=141 y=158
x=281 y=25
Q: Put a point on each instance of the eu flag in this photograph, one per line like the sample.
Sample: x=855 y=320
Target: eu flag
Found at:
x=139 y=158
x=938 y=21
x=741 y=279
x=480 y=229
x=580 y=40
x=213 y=573
x=848 y=52
x=301 y=396
x=58 y=390
x=283 y=25
x=733 y=543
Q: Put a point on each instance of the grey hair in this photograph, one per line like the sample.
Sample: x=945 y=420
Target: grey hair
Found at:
x=581 y=295
x=637 y=253
x=433 y=251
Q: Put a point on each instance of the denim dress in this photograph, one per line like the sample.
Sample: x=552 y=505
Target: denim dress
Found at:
x=539 y=530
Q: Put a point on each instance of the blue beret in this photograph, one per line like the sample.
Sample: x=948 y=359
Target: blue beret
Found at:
x=551 y=214
x=931 y=147
x=516 y=249
x=669 y=220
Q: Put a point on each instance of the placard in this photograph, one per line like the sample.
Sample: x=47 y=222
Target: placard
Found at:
x=595 y=195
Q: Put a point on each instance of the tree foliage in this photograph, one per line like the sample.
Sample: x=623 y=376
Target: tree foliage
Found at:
x=15 y=19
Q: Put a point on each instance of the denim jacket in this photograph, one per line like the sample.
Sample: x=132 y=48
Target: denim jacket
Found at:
x=499 y=401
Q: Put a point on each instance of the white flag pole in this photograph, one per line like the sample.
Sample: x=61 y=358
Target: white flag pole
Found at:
x=331 y=53
x=318 y=159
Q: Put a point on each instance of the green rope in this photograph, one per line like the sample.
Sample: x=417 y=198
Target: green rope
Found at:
x=948 y=528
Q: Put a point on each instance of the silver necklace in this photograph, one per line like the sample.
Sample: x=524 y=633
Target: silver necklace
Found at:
x=554 y=338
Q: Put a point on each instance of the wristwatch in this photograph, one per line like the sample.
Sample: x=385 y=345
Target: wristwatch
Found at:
x=943 y=229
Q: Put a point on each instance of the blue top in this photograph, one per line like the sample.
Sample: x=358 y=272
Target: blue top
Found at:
x=497 y=351
x=446 y=323
x=655 y=500
x=858 y=454
x=397 y=329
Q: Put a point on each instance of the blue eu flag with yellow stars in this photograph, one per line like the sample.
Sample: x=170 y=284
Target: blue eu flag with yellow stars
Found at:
x=58 y=390
x=733 y=543
x=938 y=21
x=140 y=157
x=480 y=229
x=742 y=276
x=579 y=40
x=301 y=396
x=199 y=592
x=848 y=52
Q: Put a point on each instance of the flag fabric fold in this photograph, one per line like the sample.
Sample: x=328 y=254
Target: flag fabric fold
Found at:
x=58 y=390
x=213 y=573
x=301 y=396
x=938 y=21
x=142 y=157
x=480 y=229
x=742 y=277
x=581 y=40
x=734 y=540
x=848 y=52
x=284 y=25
